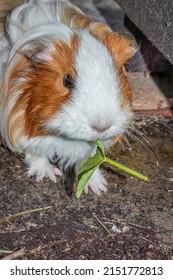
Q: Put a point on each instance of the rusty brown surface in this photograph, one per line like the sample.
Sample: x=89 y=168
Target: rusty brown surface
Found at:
x=151 y=92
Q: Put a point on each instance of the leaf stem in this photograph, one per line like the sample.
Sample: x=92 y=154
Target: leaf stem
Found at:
x=126 y=169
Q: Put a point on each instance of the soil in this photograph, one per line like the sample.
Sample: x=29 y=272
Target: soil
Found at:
x=133 y=220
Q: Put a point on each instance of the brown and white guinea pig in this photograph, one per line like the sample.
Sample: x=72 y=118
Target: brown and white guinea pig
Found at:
x=62 y=87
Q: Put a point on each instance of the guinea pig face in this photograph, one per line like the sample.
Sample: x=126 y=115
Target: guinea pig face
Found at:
x=98 y=103
x=74 y=89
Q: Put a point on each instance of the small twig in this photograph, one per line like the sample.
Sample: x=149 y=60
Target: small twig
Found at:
x=6 y=252
x=103 y=226
x=15 y=254
x=23 y=213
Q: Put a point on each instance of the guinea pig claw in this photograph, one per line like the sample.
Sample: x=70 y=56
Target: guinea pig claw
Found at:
x=97 y=183
x=56 y=171
x=43 y=170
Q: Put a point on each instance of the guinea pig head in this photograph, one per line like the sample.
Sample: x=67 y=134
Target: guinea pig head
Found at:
x=73 y=88
x=99 y=103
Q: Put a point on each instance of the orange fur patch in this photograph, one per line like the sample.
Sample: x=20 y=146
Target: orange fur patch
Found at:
x=125 y=88
x=81 y=21
x=43 y=91
x=121 y=48
x=10 y=90
x=75 y=18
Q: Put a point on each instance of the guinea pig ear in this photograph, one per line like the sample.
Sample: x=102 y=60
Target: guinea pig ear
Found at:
x=38 y=54
x=120 y=47
x=40 y=57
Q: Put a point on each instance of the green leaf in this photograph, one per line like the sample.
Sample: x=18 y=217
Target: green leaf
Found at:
x=100 y=146
x=90 y=166
x=88 y=169
x=83 y=180
x=91 y=163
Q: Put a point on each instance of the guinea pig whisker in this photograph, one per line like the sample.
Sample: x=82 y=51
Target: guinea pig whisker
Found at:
x=127 y=144
x=121 y=143
x=136 y=139
x=125 y=139
x=146 y=138
x=138 y=58
x=143 y=140
x=137 y=68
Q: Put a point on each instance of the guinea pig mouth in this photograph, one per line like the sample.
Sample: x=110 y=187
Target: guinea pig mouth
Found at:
x=88 y=134
x=87 y=138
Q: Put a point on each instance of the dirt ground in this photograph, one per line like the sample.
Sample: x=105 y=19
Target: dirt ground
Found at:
x=133 y=220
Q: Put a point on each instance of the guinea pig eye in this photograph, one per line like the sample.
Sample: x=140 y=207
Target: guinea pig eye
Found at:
x=68 y=81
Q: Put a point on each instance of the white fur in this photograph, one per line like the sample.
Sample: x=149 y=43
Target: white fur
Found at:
x=95 y=101
x=36 y=13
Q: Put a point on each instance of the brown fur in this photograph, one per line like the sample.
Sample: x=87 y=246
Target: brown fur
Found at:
x=79 y=21
x=121 y=48
x=44 y=92
x=75 y=18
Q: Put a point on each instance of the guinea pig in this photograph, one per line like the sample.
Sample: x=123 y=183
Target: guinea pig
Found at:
x=62 y=87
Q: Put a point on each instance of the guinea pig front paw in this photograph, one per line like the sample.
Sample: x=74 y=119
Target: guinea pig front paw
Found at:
x=48 y=171
x=97 y=183
x=41 y=167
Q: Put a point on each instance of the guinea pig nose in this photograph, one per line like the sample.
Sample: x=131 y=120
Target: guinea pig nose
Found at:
x=99 y=128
